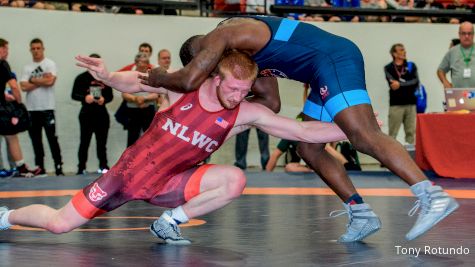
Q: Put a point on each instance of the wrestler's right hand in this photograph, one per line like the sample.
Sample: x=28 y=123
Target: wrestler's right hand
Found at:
x=95 y=66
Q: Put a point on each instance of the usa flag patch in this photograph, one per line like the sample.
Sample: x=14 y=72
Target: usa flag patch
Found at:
x=221 y=122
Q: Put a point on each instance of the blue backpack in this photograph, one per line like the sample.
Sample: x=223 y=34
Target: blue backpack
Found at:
x=420 y=93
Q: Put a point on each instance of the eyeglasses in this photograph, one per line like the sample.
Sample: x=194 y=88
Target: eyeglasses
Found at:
x=466 y=33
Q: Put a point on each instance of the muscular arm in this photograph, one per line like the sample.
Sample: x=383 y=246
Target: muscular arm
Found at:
x=286 y=128
x=194 y=74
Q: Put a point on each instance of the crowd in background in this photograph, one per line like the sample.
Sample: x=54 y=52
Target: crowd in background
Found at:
x=234 y=7
x=37 y=80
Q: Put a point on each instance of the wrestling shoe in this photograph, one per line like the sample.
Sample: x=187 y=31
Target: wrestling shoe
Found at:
x=3 y=212
x=166 y=229
x=435 y=205
x=362 y=222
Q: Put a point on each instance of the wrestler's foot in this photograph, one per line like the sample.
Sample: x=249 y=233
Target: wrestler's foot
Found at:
x=4 y=225
x=166 y=229
x=363 y=222
x=435 y=205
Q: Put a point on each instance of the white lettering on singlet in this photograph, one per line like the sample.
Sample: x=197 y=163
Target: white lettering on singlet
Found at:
x=198 y=139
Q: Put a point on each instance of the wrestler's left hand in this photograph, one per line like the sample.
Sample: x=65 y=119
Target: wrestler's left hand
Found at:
x=95 y=66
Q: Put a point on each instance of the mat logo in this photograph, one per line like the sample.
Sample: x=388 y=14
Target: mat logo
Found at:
x=272 y=73
x=181 y=131
x=186 y=107
x=96 y=193
x=324 y=92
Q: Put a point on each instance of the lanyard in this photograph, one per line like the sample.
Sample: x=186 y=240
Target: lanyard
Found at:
x=402 y=72
x=466 y=59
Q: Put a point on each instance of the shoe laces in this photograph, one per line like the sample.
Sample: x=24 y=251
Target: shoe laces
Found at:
x=337 y=213
x=423 y=204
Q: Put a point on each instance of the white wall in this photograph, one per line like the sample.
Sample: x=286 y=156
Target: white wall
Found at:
x=116 y=38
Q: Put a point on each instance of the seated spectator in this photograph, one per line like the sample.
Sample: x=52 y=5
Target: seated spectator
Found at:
x=292 y=159
x=16 y=3
x=430 y=5
x=374 y=4
x=457 y=5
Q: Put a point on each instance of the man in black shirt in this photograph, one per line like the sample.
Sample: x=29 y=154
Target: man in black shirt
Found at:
x=403 y=81
x=6 y=77
x=93 y=117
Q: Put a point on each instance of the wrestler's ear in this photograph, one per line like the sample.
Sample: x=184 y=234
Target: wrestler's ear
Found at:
x=217 y=80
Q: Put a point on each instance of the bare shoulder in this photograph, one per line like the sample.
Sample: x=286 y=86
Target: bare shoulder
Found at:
x=244 y=33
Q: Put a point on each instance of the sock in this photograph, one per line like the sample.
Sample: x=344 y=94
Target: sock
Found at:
x=354 y=199
x=419 y=188
x=19 y=163
x=178 y=214
x=4 y=220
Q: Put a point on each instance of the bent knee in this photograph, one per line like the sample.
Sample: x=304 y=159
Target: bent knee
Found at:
x=59 y=227
x=307 y=149
x=235 y=182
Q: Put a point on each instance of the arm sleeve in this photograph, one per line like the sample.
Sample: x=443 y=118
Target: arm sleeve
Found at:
x=445 y=64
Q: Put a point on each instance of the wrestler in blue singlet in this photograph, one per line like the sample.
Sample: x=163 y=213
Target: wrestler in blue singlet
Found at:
x=332 y=65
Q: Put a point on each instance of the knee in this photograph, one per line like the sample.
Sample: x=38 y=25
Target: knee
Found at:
x=306 y=150
x=365 y=140
x=235 y=182
x=59 y=226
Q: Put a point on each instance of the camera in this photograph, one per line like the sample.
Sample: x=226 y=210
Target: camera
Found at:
x=95 y=92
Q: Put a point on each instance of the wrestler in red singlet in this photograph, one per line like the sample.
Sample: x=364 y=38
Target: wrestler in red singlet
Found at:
x=161 y=167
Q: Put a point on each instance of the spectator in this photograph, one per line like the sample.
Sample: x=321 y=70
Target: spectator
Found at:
x=12 y=140
x=292 y=159
x=374 y=4
x=93 y=118
x=164 y=59
x=460 y=61
x=457 y=5
x=141 y=106
x=430 y=5
x=403 y=81
x=242 y=140
x=144 y=48
x=258 y=6
x=38 y=81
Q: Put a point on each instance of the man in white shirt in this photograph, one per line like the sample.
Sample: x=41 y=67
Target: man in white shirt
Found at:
x=37 y=80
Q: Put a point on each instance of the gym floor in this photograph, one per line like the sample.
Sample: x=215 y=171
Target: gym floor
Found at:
x=280 y=220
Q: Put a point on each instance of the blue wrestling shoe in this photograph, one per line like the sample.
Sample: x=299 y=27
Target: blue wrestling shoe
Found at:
x=166 y=229
x=435 y=205
x=363 y=222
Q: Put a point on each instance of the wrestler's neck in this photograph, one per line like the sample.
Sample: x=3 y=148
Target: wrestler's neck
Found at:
x=208 y=96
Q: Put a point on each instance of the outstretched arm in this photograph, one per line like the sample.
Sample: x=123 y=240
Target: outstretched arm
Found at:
x=286 y=128
x=124 y=81
x=189 y=78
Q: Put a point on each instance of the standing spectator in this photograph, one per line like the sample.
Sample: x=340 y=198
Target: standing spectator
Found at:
x=460 y=61
x=93 y=117
x=242 y=140
x=141 y=105
x=144 y=48
x=164 y=59
x=38 y=81
x=403 y=81
x=13 y=142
